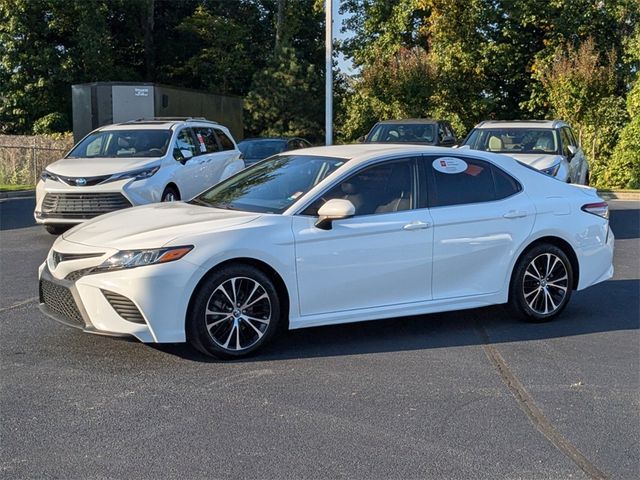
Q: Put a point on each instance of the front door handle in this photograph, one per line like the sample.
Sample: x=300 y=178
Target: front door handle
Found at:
x=416 y=225
x=515 y=214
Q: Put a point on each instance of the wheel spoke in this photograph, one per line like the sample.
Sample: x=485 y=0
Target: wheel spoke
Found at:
x=209 y=312
x=551 y=285
x=553 y=266
x=532 y=292
x=264 y=295
x=556 y=280
x=548 y=294
x=237 y=337
x=256 y=285
x=257 y=330
x=224 y=291
x=533 y=301
x=235 y=293
x=218 y=322
x=233 y=327
x=254 y=319
x=531 y=275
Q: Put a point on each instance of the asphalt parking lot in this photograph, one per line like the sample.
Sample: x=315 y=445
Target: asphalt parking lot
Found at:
x=471 y=394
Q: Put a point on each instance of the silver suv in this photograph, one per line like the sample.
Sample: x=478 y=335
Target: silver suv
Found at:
x=547 y=145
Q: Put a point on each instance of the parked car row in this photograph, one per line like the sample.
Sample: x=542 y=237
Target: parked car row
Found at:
x=313 y=236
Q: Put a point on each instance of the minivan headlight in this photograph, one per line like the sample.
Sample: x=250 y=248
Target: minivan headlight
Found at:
x=139 y=258
x=137 y=174
x=552 y=170
x=46 y=175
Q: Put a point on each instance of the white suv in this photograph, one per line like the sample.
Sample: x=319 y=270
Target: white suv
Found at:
x=134 y=163
x=547 y=145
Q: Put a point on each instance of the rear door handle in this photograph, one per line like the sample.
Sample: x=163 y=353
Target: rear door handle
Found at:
x=515 y=214
x=416 y=225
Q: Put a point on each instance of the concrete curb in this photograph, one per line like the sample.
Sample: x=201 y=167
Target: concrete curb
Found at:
x=18 y=194
x=620 y=194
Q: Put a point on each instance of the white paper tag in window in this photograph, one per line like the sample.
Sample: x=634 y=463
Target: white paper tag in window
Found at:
x=449 y=165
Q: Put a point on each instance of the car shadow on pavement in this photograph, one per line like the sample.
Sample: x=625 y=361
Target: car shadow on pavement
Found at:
x=587 y=313
x=17 y=213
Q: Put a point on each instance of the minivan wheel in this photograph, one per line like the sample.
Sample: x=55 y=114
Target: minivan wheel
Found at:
x=235 y=311
x=541 y=284
x=170 y=194
x=57 y=229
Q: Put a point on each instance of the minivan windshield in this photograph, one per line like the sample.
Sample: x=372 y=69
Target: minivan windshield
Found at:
x=122 y=143
x=515 y=140
x=270 y=186
x=402 y=133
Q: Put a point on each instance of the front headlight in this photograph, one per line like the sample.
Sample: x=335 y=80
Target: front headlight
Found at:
x=46 y=175
x=552 y=170
x=140 y=258
x=136 y=174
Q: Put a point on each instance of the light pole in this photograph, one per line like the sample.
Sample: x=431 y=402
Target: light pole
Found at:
x=328 y=89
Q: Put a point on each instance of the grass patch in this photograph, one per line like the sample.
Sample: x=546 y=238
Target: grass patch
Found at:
x=12 y=188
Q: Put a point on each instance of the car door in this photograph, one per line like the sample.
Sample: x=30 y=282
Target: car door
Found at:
x=480 y=218
x=215 y=158
x=228 y=153
x=573 y=161
x=379 y=257
x=190 y=173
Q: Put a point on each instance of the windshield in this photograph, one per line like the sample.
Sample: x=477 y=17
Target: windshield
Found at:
x=260 y=149
x=271 y=186
x=123 y=143
x=515 y=140
x=403 y=133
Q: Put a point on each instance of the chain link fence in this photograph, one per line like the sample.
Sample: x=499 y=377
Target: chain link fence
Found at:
x=22 y=157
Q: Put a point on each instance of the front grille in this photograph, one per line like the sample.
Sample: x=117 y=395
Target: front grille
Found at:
x=82 y=206
x=60 y=300
x=88 y=181
x=123 y=307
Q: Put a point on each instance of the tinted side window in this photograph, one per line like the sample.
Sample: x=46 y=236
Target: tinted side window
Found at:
x=185 y=141
x=225 y=141
x=382 y=188
x=469 y=182
x=206 y=140
x=565 y=141
x=572 y=137
x=505 y=184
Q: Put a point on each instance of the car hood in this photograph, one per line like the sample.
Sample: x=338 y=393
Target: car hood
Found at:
x=153 y=225
x=536 y=160
x=95 y=167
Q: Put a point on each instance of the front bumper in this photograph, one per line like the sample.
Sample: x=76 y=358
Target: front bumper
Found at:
x=148 y=303
x=58 y=203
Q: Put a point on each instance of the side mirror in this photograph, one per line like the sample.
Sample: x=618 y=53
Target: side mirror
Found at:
x=572 y=152
x=182 y=155
x=360 y=139
x=335 y=209
x=448 y=140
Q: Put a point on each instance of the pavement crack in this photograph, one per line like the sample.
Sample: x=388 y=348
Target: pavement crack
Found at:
x=18 y=304
x=534 y=413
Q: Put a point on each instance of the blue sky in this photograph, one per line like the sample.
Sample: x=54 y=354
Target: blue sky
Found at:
x=343 y=64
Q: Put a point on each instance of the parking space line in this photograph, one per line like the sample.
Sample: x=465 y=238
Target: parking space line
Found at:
x=18 y=304
x=533 y=412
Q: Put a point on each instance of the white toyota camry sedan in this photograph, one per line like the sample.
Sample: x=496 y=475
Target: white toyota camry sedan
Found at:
x=331 y=235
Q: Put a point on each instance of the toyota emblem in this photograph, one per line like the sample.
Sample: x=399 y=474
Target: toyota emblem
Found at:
x=81 y=182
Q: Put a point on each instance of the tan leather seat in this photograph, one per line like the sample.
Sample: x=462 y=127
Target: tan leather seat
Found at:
x=495 y=144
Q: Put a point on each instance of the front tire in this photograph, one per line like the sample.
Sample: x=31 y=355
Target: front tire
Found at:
x=170 y=194
x=57 y=229
x=541 y=284
x=235 y=311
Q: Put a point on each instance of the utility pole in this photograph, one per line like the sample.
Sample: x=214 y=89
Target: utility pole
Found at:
x=328 y=90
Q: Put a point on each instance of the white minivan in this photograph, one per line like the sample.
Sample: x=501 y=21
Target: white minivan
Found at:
x=134 y=163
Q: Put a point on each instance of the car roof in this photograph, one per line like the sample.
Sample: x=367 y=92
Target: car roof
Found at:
x=521 y=124
x=361 y=152
x=268 y=139
x=161 y=123
x=406 y=121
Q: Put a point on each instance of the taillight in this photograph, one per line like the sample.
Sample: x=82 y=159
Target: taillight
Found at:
x=600 y=209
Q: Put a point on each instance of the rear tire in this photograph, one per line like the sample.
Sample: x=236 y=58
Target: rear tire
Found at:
x=170 y=194
x=57 y=229
x=541 y=284
x=235 y=311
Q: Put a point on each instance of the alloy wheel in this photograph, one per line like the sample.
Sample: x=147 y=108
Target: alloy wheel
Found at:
x=238 y=313
x=545 y=283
